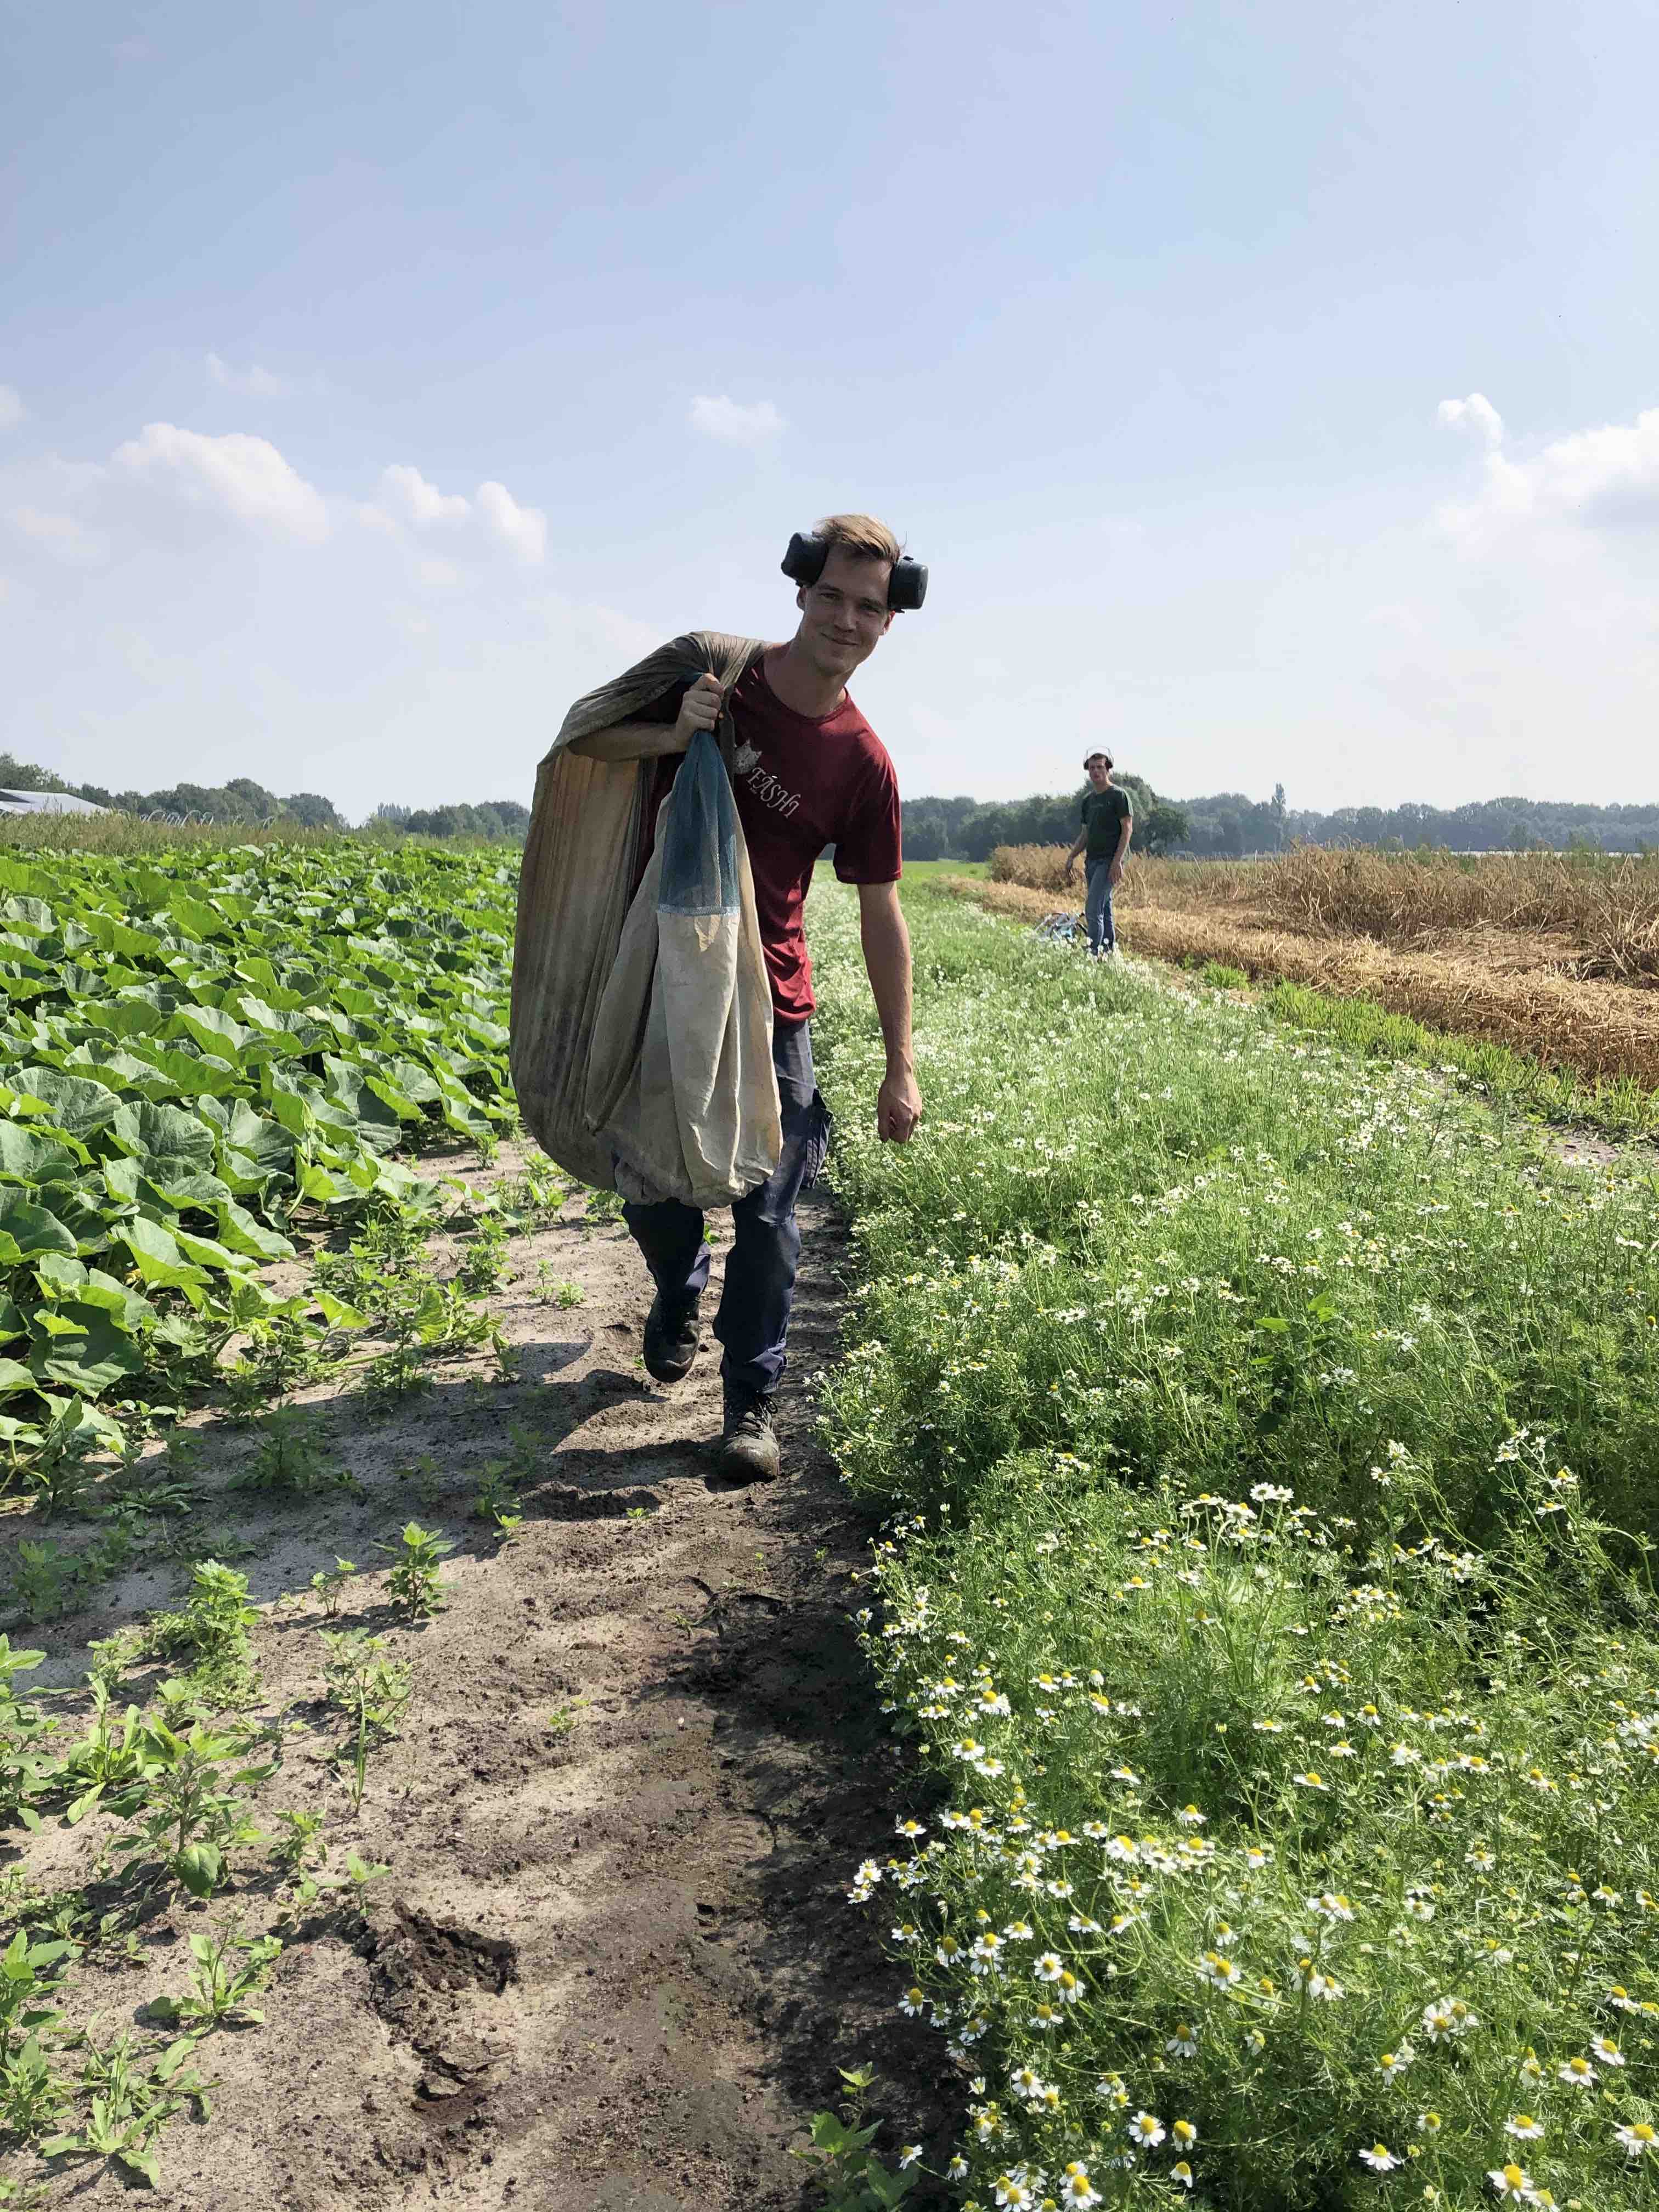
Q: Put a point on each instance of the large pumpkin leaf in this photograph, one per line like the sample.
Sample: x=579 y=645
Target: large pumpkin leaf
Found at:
x=71 y=1103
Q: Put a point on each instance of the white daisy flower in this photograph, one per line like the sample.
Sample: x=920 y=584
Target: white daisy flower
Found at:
x=1512 y=2182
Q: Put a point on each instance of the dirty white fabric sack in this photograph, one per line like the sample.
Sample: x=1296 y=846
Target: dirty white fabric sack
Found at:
x=688 y=1100
x=641 y=1030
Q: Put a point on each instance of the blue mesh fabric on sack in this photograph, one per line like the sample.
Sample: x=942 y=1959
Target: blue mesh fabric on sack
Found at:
x=700 y=837
x=680 y=1084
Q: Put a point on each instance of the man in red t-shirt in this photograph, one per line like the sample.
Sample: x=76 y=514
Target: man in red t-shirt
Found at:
x=808 y=771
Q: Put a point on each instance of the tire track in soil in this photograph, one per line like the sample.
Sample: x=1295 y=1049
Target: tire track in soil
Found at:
x=612 y=1967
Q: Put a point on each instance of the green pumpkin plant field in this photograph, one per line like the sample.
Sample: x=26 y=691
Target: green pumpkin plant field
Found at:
x=197 y=1049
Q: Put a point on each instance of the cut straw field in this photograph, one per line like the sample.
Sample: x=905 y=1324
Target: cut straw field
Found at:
x=1555 y=956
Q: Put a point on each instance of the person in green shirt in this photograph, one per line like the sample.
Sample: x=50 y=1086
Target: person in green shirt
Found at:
x=1108 y=824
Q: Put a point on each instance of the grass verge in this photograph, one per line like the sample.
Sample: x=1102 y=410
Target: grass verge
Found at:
x=1268 y=1605
x=1590 y=1065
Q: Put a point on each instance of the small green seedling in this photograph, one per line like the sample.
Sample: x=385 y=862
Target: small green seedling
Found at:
x=31 y=2097
x=496 y=1491
x=229 y=1969
x=853 y=2177
x=111 y=1754
x=328 y=1584
x=189 y=1805
x=415 y=1580
x=371 y=1690
x=130 y=2107
x=212 y=1630
x=291 y=1461
x=42 y=1583
x=485 y=1261
x=297 y=1846
x=28 y=1988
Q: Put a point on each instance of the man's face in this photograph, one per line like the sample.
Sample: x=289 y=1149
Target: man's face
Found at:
x=844 y=615
x=1099 y=774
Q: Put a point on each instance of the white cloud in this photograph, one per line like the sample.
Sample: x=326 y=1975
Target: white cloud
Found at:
x=244 y=476
x=62 y=535
x=1475 y=413
x=421 y=501
x=253 y=383
x=11 y=406
x=734 y=424
x=1606 y=477
x=522 y=529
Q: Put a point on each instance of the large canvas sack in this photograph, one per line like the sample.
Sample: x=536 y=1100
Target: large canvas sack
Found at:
x=680 y=1075
x=588 y=830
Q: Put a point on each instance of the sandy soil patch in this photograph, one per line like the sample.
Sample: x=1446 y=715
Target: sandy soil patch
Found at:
x=611 y=1965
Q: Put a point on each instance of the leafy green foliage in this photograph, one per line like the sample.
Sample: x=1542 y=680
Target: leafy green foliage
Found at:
x=24 y=1732
x=129 y=2105
x=328 y=1584
x=1156 y=1229
x=291 y=1459
x=371 y=1689
x=1268 y=1605
x=847 y=2169
x=416 y=1578
x=212 y=1630
x=230 y=1967
x=197 y=1047
x=188 y=1805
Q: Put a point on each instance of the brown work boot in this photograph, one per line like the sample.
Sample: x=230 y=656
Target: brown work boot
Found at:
x=672 y=1338
x=748 y=1443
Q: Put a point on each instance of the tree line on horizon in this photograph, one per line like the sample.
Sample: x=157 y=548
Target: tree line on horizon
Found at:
x=243 y=801
x=1226 y=825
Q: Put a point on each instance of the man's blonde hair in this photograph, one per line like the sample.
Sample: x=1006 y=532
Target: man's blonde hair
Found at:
x=860 y=535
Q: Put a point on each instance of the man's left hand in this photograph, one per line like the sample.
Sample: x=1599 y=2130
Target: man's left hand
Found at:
x=898 y=1107
x=1115 y=875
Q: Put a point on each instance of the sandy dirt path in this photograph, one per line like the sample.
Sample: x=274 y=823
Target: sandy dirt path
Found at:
x=611 y=1965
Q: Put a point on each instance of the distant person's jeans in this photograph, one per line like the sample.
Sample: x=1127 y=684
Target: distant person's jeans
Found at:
x=1097 y=911
x=753 y=1321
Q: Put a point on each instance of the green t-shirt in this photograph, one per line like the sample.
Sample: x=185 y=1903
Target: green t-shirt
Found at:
x=1104 y=813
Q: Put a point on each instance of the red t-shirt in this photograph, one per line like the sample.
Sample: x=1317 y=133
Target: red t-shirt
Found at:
x=801 y=782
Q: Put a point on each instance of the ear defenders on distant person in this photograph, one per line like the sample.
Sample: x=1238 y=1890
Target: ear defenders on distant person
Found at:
x=906 y=586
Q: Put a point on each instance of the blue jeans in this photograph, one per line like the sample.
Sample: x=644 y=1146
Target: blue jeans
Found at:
x=1097 y=911
x=753 y=1321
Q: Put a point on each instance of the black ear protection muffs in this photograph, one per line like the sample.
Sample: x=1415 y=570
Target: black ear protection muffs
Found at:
x=907 y=587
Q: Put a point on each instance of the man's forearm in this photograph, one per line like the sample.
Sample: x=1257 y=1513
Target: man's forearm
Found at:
x=886 y=943
x=631 y=741
x=1123 y=837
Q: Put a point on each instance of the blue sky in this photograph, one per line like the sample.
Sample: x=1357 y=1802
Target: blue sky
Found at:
x=1273 y=391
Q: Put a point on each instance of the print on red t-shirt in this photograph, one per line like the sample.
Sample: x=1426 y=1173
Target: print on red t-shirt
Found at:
x=801 y=782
